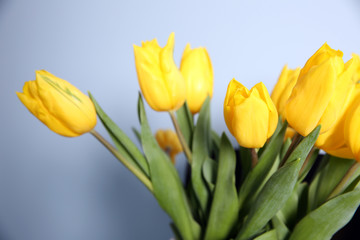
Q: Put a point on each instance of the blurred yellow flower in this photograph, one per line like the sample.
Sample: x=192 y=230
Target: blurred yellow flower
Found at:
x=333 y=141
x=169 y=142
x=160 y=80
x=352 y=129
x=250 y=116
x=58 y=104
x=197 y=71
x=321 y=91
x=283 y=88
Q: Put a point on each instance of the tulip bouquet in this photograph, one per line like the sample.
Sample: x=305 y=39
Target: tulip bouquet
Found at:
x=273 y=185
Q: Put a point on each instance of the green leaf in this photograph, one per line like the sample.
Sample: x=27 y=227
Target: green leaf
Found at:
x=259 y=173
x=326 y=220
x=215 y=145
x=330 y=175
x=122 y=142
x=270 y=235
x=224 y=208
x=285 y=148
x=186 y=123
x=137 y=134
x=209 y=171
x=309 y=163
x=167 y=185
x=200 y=152
x=270 y=200
x=282 y=232
x=277 y=189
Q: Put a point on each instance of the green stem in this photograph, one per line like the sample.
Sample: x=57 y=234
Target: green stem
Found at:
x=340 y=187
x=254 y=157
x=132 y=169
x=181 y=137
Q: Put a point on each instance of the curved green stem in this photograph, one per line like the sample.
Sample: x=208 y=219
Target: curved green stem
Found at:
x=132 y=169
x=181 y=137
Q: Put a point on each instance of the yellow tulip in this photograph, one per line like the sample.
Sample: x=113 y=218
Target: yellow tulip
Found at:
x=58 y=104
x=321 y=91
x=250 y=116
x=283 y=88
x=352 y=129
x=333 y=141
x=169 y=142
x=198 y=74
x=160 y=80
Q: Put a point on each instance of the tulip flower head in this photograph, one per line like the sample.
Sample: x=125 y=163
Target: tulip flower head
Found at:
x=283 y=88
x=352 y=129
x=197 y=71
x=321 y=91
x=250 y=116
x=160 y=80
x=169 y=142
x=333 y=141
x=58 y=104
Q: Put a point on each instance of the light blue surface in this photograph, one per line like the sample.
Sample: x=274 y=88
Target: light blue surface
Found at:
x=56 y=188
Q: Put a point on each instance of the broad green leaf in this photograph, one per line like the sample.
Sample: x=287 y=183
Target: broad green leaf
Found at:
x=353 y=185
x=258 y=174
x=282 y=232
x=326 y=220
x=276 y=132
x=186 y=123
x=137 y=134
x=270 y=235
x=122 y=142
x=288 y=213
x=285 y=147
x=302 y=191
x=278 y=189
x=270 y=200
x=244 y=165
x=167 y=185
x=215 y=145
x=330 y=175
x=209 y=172
x=224 y=207
x=309 y=163
x=200 y=152
x=304 y=147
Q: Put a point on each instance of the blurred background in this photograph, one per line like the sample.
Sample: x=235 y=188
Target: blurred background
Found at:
x=57 y=188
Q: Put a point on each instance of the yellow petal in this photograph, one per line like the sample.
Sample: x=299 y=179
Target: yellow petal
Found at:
x=198 y=75
x=310 y=97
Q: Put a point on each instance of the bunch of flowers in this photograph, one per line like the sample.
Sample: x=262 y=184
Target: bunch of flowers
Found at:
x=274 y=185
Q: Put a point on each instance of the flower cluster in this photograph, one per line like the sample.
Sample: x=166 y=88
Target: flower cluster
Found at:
x=261 y=189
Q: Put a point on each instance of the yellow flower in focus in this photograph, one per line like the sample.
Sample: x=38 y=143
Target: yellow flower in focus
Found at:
x=169 y=142
x=250 y=116
x=283 y=88
x=333 y=141
x=197 y=71
x=160 y=80
x=321 y=91
x=58 y=104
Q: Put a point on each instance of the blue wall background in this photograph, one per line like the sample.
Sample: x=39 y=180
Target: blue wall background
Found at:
x=52 y=187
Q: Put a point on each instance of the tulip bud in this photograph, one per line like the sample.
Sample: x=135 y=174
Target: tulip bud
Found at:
x=250 y=116
x=58 y=104
x=198 y=75
x=283 y=88
x=169 y=142
x=333 y=141
x=320 y=93
x=160 y=80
